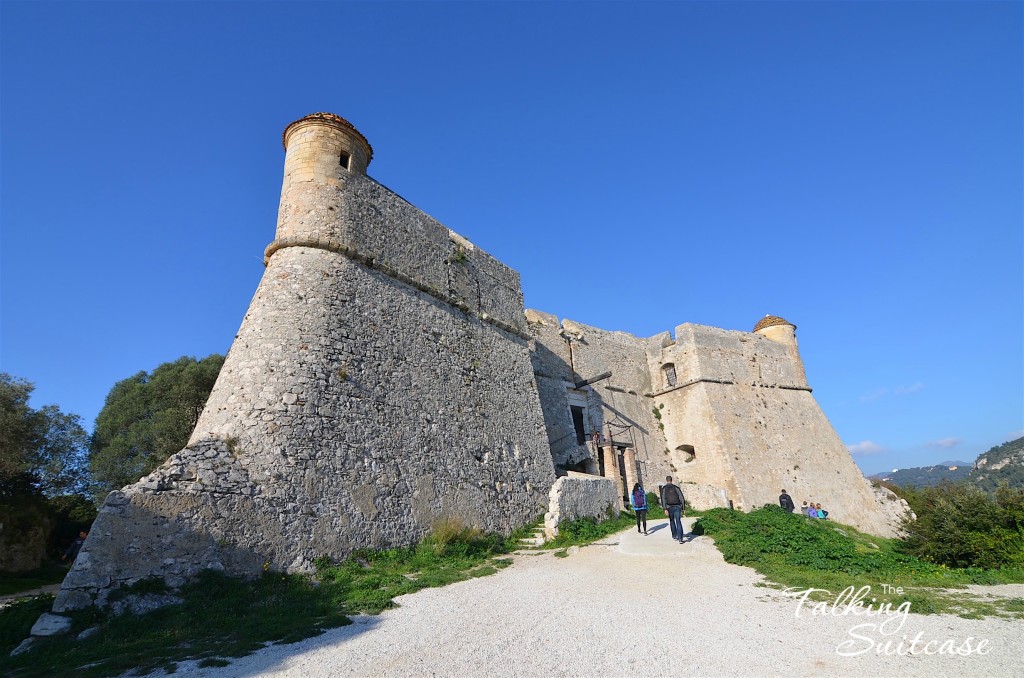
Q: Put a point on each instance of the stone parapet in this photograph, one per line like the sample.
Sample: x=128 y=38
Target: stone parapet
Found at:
x=360 y=218
x=579 y=496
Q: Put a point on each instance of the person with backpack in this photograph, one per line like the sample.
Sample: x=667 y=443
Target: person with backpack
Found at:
x=638 y=500
x=786 y=502
x=672 y=501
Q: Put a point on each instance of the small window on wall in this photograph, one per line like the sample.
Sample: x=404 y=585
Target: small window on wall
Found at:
x=688 y=453
x=669 y=371
x=344 y=159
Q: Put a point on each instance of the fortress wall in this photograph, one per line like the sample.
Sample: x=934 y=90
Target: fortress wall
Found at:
x=355 y=411
x=689 y=420
x=780 y=438
x=549 y=354
x=358 y=216
x=711 y=353
x=618 y=398
x=756 y=428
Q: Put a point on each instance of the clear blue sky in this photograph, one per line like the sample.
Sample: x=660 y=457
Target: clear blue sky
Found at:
x=853 y=167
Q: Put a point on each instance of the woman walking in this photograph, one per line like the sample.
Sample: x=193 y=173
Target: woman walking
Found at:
x=638 y=500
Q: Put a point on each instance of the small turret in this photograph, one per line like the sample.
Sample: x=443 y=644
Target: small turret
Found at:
x=777 y=329
x=782 y=331
x=321 y=151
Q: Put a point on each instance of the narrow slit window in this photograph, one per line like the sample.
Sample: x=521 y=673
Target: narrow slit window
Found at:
x=577 y=423
x=670 y=375
x=344 y=159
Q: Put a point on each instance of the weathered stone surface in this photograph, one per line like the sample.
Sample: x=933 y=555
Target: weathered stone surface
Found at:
x=578 y=496
x=23 y=646
x=710 y=407
x=894 y=507
x=51 y=625
x=704 y=497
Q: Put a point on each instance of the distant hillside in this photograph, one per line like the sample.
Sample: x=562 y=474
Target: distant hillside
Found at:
x=926 y=476
x=1003 y=463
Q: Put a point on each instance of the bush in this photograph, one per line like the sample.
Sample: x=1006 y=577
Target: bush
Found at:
x=960 y=525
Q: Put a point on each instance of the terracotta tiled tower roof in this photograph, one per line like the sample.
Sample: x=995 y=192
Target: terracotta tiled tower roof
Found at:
x=329 y=118
x=771 y=320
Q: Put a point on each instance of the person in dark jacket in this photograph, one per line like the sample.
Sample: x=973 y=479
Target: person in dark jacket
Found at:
x=75 y=547
x=673 y=502
x=786 y=502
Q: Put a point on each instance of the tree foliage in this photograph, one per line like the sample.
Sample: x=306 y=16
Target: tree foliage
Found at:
x=964 y=526
x=41 y=451
x=147 y=418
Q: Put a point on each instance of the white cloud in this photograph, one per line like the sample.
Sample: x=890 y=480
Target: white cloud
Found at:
x=880 y=393
x=944 y=443
x=866 y=447
x=874 y=395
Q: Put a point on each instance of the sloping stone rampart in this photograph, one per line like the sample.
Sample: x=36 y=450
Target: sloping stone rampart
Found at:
x=352 y=411
x=704 y=497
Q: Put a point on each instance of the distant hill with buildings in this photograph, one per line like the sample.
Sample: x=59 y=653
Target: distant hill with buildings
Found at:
x=926 y=476
x=1002 y=463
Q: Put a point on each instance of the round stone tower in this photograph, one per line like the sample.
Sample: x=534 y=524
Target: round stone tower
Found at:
x=321 y=151
x=782 y=331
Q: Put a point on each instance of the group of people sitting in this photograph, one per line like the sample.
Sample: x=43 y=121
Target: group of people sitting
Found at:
x=813 y=510
x=809 y=509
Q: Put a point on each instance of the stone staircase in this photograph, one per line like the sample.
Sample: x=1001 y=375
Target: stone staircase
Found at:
x=535 y=539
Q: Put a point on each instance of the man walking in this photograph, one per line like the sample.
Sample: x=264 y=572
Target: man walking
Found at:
x=786 y=502
x=672 y=500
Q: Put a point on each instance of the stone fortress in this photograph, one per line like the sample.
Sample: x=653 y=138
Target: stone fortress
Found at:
x=386 y=375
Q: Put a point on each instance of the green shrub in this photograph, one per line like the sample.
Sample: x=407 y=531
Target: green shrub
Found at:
x=587 y=530
x=959 y=525
x=798 y=552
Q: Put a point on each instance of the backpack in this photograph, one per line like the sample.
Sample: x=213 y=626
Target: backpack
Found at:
x=640 y=500
x=673 y=496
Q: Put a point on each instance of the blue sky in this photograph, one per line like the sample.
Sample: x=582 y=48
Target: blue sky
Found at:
x=853 y=167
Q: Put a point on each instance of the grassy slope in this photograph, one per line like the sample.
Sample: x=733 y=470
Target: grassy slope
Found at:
x=793 y=551
x=224 y=617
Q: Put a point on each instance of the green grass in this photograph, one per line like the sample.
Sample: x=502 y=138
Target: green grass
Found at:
x=793 y=551
x=587 y=530
x=52 y=572
x=223 y=617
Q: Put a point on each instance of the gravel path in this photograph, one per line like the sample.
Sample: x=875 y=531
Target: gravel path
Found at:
x=630 y=605
x=7 y=600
